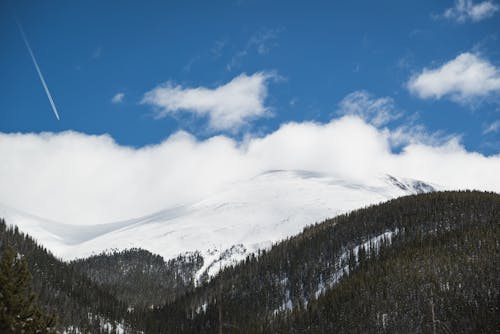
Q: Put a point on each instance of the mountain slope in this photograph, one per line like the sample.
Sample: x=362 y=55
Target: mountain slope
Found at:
x=402 y=290
x=383 y=262
x=226 y=227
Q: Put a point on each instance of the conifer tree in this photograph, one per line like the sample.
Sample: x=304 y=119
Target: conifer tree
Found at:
x=19 y=312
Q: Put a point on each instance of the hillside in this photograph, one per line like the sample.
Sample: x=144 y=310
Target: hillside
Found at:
x=374 y=270
x=139 y=278
x=77 y=302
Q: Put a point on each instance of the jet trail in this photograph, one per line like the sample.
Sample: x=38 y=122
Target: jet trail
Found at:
x=40 y=75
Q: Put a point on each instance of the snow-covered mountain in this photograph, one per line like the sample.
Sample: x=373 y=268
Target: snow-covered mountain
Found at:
x=225 y=227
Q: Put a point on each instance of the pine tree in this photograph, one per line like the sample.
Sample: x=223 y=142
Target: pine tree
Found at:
x=19 y=312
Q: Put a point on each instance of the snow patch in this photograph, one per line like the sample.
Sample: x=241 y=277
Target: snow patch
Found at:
x=373 y=244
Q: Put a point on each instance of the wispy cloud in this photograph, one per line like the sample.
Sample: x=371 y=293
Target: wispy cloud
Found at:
x=411 y=133
x=228 y=107
x=217 y=48
x=466 y=10
x=376 y=111
x=264 y=41
x=190 y=63
x=492 y=127
x=118 y=98
x=96 y=54
x=261 y=43
x=381 y=111
x=463 y=79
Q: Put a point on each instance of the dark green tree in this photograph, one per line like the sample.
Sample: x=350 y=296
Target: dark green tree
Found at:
x=19 y=312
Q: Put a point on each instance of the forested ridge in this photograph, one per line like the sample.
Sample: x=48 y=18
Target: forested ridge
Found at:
x=421 y=263
x=139 y=278
x=250 y=295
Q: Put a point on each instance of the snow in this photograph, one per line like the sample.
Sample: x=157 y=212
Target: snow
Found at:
x=243 y=218
x=72 y=329
x=108 y=326
x=326 y=284
x=105 y=326
x=202 y=308
x=287 y=303
x=373 y=242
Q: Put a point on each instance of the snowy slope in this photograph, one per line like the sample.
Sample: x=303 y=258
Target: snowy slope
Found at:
x=242 y=218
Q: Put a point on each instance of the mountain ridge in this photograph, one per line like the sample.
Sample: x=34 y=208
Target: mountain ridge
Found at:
x=243 y=218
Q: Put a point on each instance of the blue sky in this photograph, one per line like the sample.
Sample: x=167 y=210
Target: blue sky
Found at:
x=313 y=55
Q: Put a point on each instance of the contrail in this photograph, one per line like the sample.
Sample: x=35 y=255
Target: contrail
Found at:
x=40 y=75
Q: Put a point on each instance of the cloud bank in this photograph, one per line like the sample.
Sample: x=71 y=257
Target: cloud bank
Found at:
x=463 y=79
x=228 y=107
x=467 y=10
x=83 y=179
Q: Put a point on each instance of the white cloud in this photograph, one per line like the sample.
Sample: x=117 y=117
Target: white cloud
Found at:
x=228 y=107
x=118 y=98
x=77 y=178
x=376 y=111
x=463 y=79
x=465 y=10
x=492 y=127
